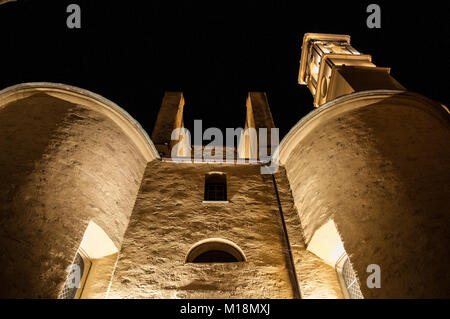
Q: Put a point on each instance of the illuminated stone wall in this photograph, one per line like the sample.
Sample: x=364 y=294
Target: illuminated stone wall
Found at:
x=62 y=164
x=70 y=157
x=169 y=218
x=316 y=278
x=377 y=163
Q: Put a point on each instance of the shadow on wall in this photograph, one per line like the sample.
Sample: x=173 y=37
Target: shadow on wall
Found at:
x=25 y=132
x=413 y=143
x=67 y=157
x=377 y=163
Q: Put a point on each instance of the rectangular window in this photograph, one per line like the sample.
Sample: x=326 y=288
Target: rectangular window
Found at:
x=215 y=192
x=215 y=187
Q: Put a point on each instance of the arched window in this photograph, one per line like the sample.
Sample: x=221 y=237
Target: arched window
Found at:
x=215 y=250
x=216 y=187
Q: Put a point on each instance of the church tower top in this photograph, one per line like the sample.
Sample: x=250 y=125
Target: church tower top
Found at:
x=331 y=67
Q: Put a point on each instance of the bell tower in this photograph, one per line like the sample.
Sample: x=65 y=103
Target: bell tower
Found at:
x=331 y=68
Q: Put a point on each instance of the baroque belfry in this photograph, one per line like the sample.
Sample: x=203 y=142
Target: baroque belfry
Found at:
x=358 y=207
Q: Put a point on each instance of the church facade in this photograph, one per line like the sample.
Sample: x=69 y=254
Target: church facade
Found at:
x=93 y=207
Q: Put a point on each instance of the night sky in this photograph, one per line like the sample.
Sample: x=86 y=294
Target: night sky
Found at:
x=132 y=51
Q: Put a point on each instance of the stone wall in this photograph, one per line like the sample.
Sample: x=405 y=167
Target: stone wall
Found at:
x=317 y=280
x=62 y=164
x=170 y=217
x=378 y=164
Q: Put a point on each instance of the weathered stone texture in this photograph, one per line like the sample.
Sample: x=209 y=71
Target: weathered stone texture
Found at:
x=169 y=218
x=381 y=172
x=62 y=165
x=316 y=278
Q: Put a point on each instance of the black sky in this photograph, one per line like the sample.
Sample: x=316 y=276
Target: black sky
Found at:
x=132 y=51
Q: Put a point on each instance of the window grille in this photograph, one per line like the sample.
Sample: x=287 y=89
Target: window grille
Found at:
x=215 y=187
x=70 y=290
x=350 y=281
